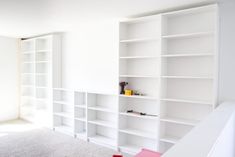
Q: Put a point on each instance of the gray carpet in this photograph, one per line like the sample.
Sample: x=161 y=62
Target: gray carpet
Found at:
x=29 y=141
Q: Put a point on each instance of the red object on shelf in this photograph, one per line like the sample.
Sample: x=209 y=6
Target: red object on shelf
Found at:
x=148 y=153
x=117 y=156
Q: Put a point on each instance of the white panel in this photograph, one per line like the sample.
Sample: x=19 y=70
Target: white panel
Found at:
x=9 y=78
x=189 y=66
x=191 y=23
x=150 y=48
x=204 y=44
x=190 y=89
x=185 y=110
x=149 y=67
x=142 y=29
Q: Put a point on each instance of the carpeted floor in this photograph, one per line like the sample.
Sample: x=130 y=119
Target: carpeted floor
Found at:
x=22 y=139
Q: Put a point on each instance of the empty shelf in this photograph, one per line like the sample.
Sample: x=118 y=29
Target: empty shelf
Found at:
x=139 y=76
x=130 y=149
x=64 y=129
x=141 y=133
x=188 y=55
x=138 y=40
x=100 y=108
x=188 y=101
x=103 y=123
x=179 y=120
x=83 y=119
x=170 y=139
x=188 y=35
x=64 y=114
x=80 y=106
x=63 y=103
x=103 y=140
x=139 y=57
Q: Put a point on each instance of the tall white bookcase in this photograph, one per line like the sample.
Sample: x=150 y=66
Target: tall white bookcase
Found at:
x=139 y=65
x=171 y=59
x=88 y=116
x=40 y=71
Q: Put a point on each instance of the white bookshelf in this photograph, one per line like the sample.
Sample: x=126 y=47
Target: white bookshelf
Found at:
x=102 y=119
x=139 y=65
x=63 y=111
x=188 y=86
x=80 y=115
x=38 y=73
x=87 y=116
x=170 y=58
x=102 y=135
x=158 y=57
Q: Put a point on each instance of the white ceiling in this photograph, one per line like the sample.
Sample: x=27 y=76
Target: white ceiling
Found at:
x=21 y=18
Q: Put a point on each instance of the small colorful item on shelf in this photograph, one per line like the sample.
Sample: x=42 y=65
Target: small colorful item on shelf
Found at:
x=128 y=92
x=148 y=153
x=123 y=84
x=116 y=155
x=137 y=93
x=140 y=113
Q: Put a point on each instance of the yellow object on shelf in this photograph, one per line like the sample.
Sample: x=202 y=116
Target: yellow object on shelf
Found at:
x=128 y=92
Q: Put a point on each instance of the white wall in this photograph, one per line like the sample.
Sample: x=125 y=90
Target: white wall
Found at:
x=8 y=79
x=227 y=50
x=226 y=142
x=90 y=56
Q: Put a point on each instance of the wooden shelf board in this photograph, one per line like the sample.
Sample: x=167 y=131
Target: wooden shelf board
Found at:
x=40 y=73
x=23 y=73
x=63 y=114
x=188 y=77
x=188 y=55
x=187 y=101
x=42 y=62
x=130 y=149
x=177 y=120
x=103 y=140
x=188 y=35
x=139 y=76
x=83 y=119
x=139 y=57
x=100 y=108
x=138 y=116
x=140 y=133
x=63 y=89
x=63 y=103
x=29 y=52
x=102 y=123
x=28 y=62
x=140 y=19
x=64 y=129
x=41 y=87
x=138 y=97
x=43 y=50
x=170 y=139
x=28 y=86
x=138 y=40
x=80 y=106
